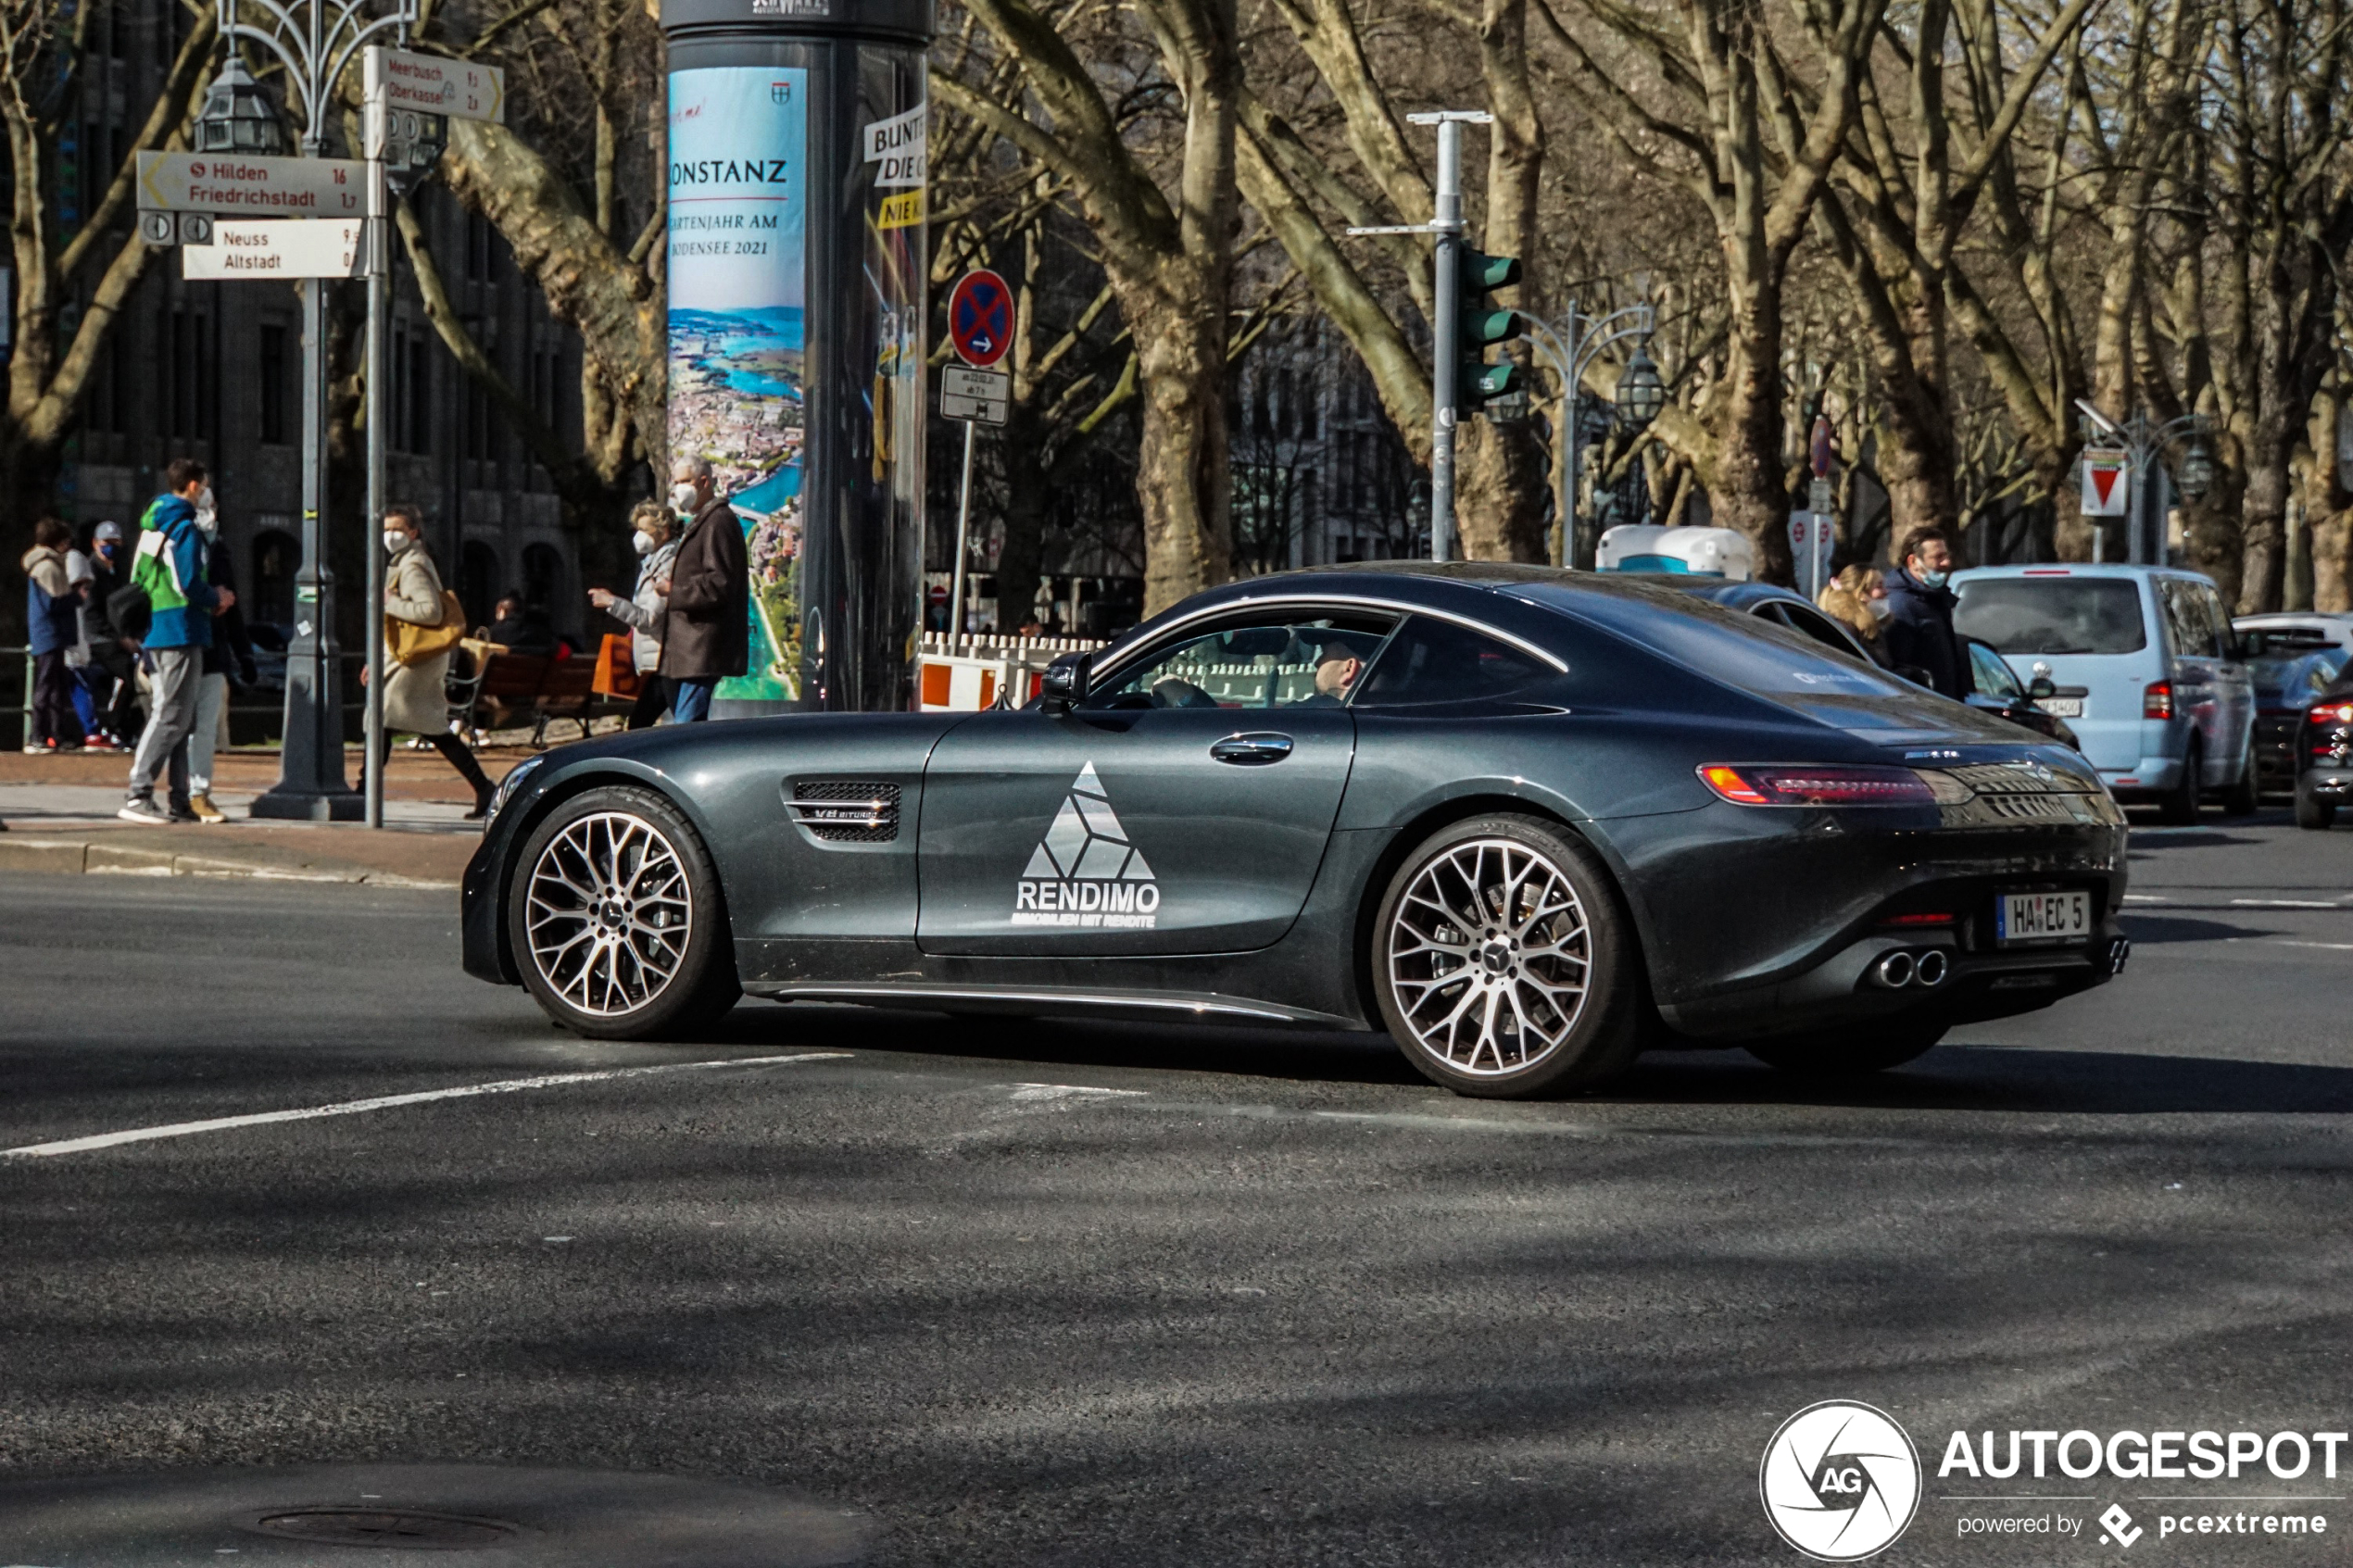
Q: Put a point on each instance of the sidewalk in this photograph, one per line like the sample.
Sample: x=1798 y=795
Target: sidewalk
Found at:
x=59 y=812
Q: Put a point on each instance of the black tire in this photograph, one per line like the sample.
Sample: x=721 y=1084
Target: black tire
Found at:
x=1851 y=1053
x=621 y=871
x=1545 y=938
x=2178 y=805
x=2317 y=815
x=2240 y=800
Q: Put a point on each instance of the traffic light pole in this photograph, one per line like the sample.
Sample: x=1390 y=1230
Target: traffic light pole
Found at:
x=1445 y=395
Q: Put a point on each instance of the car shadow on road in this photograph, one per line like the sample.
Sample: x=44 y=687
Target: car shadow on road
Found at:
x=1967 y=1078
x=2146 y=929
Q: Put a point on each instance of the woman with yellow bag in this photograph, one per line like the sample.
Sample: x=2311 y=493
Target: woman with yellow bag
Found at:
x=422 y=623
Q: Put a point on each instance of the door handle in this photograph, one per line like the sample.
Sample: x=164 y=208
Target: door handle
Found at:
x=1254 y=750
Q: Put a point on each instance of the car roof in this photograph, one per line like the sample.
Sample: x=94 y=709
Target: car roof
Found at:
x=2077 y=569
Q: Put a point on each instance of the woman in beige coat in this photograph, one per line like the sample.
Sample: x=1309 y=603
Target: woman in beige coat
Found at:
x=416 y=699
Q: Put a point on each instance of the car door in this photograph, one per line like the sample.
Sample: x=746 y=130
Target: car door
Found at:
x=1182 y=807
x=2233 y=685
x=2195 y=670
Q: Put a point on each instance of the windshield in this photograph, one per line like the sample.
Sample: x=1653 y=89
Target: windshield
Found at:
x=2284 y=682
x=2054 y=614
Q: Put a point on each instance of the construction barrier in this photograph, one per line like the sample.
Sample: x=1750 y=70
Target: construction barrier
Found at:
x=967 y=673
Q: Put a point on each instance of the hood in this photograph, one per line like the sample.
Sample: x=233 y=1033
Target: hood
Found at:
x=41 y=555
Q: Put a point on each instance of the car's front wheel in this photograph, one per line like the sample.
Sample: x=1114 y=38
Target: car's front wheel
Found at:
x=2313 y=813
x=2178 y=805
x=616 y=920
x=2241 y=798
x=1502 y=964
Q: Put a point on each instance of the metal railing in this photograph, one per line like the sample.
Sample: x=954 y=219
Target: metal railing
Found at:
x=268 y=717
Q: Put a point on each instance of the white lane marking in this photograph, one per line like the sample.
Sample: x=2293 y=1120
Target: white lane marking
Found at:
x=1067 y=1091
x=388 y=1102
x=2282 y=903
x=2331 y=946
x=2143 y=898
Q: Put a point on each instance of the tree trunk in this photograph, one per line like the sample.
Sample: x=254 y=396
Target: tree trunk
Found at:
x=1183 y=472
x=1748 y=491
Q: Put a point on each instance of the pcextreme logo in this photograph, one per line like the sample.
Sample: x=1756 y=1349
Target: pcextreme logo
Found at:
x=1084 y=872
x=1840 y=1480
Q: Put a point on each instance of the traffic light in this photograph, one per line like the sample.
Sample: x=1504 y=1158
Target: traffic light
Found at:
x=1479 y=384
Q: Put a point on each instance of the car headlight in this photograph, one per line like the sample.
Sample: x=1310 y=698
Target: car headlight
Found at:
x=507 y=786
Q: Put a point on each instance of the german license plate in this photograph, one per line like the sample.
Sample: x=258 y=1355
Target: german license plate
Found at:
x=2062 y=706
x=2041 y=917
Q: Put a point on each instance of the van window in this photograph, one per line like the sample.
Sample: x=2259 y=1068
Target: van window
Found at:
x=2054 y=614
x=2187 y=626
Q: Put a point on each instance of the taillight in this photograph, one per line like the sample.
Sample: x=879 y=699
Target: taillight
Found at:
x=1788 y=784
x=1917 y=920
x=2158 y=701
x=2334 y=713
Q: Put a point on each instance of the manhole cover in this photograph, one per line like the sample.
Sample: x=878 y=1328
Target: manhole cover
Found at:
x=403 y=1528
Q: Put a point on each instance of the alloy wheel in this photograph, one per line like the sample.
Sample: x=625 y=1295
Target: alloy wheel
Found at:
x=610 y=913
x=1489 y=956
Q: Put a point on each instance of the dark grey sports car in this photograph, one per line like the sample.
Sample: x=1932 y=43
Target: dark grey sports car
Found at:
x=1527 y=821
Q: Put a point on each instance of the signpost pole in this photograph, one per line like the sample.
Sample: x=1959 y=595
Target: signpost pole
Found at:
x=964 y=522
x=1445 y=332
x=379 y=291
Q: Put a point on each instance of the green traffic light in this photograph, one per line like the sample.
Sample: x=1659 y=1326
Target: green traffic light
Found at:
x=1495 y=380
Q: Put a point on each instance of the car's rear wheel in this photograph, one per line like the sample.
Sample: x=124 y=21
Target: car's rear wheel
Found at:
x=2179 y=804
x=2314 y=814
x=2239 y=800
x=1503 y=965
x=1849 y=1053
x=616 y=920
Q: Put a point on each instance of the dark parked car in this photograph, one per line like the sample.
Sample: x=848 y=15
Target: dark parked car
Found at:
x=1526 y=821
x=2291 y=667
x=2323 y=748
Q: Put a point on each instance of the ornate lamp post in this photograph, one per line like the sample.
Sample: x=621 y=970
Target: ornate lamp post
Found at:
x=316 y=41
x=1571 y=343
x=2145 y=441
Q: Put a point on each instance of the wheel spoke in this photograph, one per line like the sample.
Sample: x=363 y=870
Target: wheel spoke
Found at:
x=1487 y=957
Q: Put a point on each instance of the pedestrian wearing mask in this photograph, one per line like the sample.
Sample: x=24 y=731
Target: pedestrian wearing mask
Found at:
x=53 y=627
x=230 y=650
x=1919 y=622
x=111 y=674
x=655 y=538
x=1857 y=600
x=416 y=693
x=706 y=632
x=170 y=569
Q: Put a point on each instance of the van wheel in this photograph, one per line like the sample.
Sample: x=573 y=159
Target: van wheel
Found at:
x=2317 y=815
x=2239 y=799
x=2178 y=805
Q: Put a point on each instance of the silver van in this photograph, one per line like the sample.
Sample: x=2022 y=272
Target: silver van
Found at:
x=2146 y=667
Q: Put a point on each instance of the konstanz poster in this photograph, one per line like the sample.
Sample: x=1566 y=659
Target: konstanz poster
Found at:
x=738 y=276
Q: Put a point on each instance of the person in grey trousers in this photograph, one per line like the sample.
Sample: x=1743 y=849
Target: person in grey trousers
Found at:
x=169 y=568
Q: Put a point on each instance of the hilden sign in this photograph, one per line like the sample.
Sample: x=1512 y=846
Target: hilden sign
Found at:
x=253 y=187
x=429 y=84
x=287 y=247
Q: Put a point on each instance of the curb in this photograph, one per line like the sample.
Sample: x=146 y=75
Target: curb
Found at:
x=86 y=857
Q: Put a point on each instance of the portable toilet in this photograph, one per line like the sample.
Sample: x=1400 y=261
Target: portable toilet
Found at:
x=1702 y=552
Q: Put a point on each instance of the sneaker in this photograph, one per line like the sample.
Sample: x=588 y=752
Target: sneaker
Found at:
x=34 y=748
x=101 y=743
x=201 y=808
x=143 y=808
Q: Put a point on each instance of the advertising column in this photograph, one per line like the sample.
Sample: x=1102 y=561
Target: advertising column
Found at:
x=795 y=315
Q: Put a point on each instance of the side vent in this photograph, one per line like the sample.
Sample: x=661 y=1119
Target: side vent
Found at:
x=846 y=810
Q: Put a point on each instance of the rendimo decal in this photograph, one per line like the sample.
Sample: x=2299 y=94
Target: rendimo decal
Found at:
x=1085 y=872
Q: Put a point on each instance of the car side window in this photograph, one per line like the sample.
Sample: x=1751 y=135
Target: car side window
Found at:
x=1820 y=627
x=1278 y=660
x=2218 y=621
x=1433 y=663
x=2185 y=623
x=1992 y=675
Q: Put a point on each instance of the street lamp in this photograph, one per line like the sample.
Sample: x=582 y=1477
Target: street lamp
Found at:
x=1571 y=343
x=2197 y=472
x=2145 y=440
x=314 y=40
x=238 y=117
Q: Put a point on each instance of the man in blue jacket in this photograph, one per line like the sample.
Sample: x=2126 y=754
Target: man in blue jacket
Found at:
x=1919 y=621
x=169 y=565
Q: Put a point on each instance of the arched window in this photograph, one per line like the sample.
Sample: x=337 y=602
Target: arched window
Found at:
x=478 y=584
x=276 y=559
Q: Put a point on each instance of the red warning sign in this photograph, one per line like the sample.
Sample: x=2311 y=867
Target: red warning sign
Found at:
x=2105 y=491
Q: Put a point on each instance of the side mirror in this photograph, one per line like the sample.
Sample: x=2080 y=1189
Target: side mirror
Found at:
x=1065 y=683
x=2041 y=687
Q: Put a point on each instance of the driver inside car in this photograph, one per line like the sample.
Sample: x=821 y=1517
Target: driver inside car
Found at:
x=1337 y=664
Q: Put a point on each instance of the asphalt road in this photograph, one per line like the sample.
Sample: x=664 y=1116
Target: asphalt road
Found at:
x=1031 y=1293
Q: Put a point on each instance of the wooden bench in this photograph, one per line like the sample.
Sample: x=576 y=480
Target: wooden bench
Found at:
x=504 y=687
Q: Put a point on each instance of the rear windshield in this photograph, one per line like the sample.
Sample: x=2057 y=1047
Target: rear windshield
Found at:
x=2054 y=614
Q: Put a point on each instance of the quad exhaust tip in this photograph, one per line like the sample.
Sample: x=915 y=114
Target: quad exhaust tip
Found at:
x=1903 y=968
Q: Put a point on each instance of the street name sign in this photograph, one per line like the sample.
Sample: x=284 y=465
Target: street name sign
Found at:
x=233 y=185
x=973 y=395
x=281 y=247
x=430 y=84
x=2105 y=491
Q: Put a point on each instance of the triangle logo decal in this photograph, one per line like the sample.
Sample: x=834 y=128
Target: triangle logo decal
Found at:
x=1085 y=872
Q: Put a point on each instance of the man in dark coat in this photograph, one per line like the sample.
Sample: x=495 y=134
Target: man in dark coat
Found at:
x=1919 y=621
x=706 y=632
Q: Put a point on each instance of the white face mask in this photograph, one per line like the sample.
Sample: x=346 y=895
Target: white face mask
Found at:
x=207 y=514
x=682 y=498
x=1881 y=608
x=394 y=538
x=644 y=543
